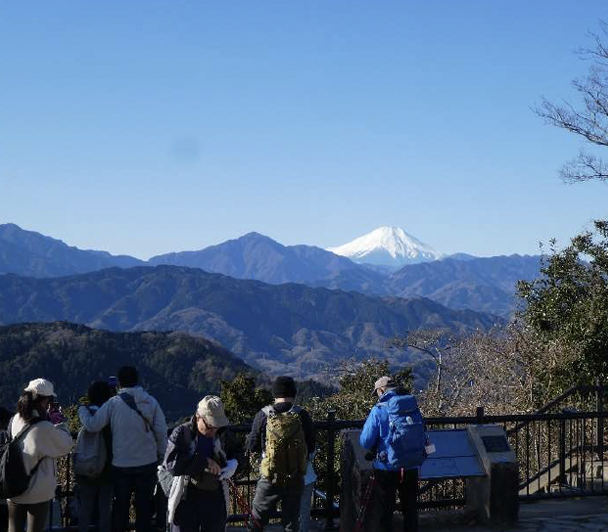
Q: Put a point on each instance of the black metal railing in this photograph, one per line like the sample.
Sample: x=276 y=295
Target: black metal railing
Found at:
x=560 y=451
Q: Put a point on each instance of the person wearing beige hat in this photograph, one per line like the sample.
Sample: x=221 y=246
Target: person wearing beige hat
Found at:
x=202 y=454
x=43 y=437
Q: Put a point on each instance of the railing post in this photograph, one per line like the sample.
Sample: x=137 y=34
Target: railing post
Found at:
x=599 y=403
x=562 y=449
x=479 y=414
x=329 y=478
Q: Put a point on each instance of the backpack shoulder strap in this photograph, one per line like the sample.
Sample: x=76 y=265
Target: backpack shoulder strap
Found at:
x=25 y=429
x=8 y=428
x=295 y=409
x=269 y=411
x=130 y=402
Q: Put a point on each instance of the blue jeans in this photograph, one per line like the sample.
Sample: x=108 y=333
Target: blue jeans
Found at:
x=140 y=480
x=305 y=505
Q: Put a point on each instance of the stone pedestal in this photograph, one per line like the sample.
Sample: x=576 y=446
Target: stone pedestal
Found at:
x=494 y=497
x=356 y=473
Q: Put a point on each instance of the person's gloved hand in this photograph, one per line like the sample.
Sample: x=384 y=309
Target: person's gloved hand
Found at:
x=56 y=416
x=229 y=470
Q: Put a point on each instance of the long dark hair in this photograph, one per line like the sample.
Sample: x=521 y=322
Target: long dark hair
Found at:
x=27 y=404
x=99 y=392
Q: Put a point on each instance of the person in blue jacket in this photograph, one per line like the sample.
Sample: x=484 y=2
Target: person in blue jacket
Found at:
x=387 y=480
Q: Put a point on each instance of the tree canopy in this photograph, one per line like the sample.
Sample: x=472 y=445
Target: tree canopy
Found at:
x=568 y=304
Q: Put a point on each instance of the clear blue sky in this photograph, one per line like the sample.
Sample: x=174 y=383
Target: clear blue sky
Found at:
x=150 y=126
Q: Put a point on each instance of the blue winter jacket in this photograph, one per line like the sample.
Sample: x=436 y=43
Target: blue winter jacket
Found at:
x=375 y=432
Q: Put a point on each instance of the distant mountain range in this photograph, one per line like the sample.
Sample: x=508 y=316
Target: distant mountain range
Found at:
x=256 y=256
x=281 y=329
x=32 y=254
x=484 y=284
x=176 y=368
x=460 y=281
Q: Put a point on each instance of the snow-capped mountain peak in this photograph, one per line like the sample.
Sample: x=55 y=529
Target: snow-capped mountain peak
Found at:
x=387 y=246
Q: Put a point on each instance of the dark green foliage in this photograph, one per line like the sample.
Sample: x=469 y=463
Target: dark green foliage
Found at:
x=243 y=399
x=569 y=305
x=175 y=368
x=354 y=398
x=309 y=389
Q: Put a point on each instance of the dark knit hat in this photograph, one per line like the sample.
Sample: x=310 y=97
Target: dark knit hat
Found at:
x=284 y=387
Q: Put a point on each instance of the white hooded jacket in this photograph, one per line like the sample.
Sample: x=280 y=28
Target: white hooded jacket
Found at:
x=134 y=444
x=43 y=443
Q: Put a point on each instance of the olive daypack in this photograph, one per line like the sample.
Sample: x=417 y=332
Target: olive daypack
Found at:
x=14 y=480
x=90 y=454
x=407 y=434
x=286 y=455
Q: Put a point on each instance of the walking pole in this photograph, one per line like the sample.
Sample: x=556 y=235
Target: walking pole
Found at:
x=365 y=503
x=250 y=520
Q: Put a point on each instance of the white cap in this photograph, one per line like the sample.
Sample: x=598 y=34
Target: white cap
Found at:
x=41 y=387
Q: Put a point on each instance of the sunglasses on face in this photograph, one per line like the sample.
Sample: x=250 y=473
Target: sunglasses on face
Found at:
x=207 y=426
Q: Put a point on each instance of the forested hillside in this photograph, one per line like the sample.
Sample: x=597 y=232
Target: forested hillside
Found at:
x=282 y=329
x=176 y=368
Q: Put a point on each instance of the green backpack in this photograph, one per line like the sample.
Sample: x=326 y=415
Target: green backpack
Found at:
x=286 y=455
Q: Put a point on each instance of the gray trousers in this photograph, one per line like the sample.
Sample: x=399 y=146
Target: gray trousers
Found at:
x=267 y=496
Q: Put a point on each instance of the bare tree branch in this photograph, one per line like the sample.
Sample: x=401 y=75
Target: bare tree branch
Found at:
x=589 y=119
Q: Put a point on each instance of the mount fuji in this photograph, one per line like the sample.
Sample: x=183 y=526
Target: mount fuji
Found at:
x=388 y=247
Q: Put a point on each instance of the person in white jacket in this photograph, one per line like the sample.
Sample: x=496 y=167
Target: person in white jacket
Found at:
x=46 y=439
x=139 y=440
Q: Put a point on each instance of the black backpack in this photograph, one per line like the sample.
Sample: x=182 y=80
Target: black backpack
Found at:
x=14 y=480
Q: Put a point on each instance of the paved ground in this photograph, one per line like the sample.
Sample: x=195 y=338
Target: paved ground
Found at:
x=568 y=515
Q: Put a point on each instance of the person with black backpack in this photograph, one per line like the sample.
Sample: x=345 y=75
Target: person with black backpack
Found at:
x=284 y=434
x=38 y=437
x=92 y=461
x=395 y=435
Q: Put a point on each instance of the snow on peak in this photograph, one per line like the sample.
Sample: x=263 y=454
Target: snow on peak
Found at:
x=387 y=246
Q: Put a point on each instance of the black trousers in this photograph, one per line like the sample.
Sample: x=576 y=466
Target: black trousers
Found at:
x=126 y=480
x=201 y=510
x=382 y=504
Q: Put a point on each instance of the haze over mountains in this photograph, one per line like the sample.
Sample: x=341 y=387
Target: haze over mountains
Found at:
x=460 y=281
x=465 y=282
